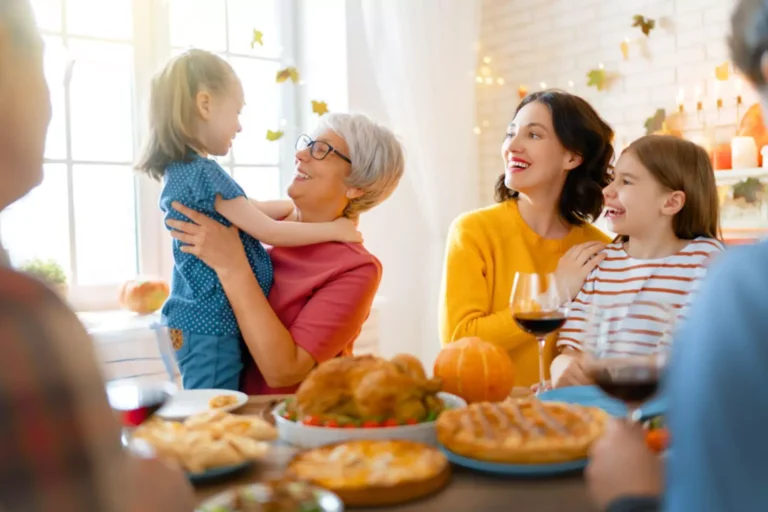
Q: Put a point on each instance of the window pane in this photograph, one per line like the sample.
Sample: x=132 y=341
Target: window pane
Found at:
x=100 y=18
x=47 y=14
x=56 y=61
x=244 y=17
x=261 y=112
x=37 y=226
x=199 y=23
x=105 y=221
x=102 y=101
x=260 y=183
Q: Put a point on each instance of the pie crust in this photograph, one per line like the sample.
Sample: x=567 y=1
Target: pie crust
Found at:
x=525 y=431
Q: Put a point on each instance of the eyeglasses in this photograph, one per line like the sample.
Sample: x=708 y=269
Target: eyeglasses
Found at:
x=318 y=149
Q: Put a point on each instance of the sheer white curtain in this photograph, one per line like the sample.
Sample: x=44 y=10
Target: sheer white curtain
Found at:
x=423 y=55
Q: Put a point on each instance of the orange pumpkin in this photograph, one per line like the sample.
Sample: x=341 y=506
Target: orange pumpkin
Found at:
x=143 y=296
x=752 y=125
x=475 y=370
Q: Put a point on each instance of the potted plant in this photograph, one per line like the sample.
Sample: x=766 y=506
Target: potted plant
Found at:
x=49 y=272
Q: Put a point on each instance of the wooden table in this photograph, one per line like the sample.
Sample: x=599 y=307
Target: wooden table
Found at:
x=468 y=490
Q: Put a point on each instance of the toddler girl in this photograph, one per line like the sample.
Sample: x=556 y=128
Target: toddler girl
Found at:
x=194 y=109
x=663 y=203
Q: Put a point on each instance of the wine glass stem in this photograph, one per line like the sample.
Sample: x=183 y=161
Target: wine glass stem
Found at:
x=541 y=342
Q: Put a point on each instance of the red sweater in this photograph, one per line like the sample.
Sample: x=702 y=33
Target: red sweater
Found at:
x=322 y=293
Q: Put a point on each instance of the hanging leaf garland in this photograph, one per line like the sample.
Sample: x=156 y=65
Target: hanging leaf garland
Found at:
x=721 y=72
x=288 y=73
x=624 y=47
x=655 y=123
x=257 y=38
x=597 y=78
x=645 y=24
x=319 y=107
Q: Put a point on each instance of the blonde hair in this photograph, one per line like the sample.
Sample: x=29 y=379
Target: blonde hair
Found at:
x=679 y=164
x=172 y=106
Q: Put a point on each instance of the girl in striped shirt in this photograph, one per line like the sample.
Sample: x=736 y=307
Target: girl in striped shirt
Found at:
x=663 y=203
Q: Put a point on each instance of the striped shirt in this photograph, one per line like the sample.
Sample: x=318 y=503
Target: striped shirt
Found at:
x=624 y=294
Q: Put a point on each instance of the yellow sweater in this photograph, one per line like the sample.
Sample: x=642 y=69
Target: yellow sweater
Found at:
x=485 y=249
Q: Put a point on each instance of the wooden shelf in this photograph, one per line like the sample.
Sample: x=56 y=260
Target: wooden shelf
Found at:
x=731 y=177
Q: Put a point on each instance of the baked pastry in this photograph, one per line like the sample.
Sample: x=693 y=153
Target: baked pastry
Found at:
x=222 y=401
x=524 y=431
x=373 y=472
x=208 y=440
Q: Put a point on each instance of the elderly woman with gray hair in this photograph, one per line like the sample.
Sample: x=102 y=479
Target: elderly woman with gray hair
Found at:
x=322 y=293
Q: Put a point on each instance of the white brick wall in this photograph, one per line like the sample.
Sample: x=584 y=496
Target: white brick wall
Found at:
x=557 y=41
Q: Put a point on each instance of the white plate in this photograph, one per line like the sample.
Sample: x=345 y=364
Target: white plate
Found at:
x=303 y=436
x=189 y=402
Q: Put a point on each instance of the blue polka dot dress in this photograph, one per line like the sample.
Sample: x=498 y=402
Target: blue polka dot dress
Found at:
x=197 y=304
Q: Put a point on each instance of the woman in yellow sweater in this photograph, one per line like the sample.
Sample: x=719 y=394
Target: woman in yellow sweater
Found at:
x=556 y=155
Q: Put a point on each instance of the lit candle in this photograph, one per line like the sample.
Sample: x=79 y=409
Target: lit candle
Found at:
x=743 y=153
x=697 y=93
x=719 y=101
x=680 y=98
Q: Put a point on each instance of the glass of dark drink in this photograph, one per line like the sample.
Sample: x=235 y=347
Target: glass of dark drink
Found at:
x=539 y=309
x=627 y=350
x=135 y=400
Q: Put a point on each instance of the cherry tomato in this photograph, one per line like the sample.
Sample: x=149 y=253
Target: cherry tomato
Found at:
x=331 y=424
x=391 y=422
x=411 y=421
x=349 y=425
x=312 y=421
x=371 y=424
x=657 y=439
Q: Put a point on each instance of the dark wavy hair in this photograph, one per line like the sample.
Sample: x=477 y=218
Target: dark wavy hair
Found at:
x=748 y=41
x=582 y=131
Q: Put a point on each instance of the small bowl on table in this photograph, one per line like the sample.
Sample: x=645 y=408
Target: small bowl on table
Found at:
x=312 y=436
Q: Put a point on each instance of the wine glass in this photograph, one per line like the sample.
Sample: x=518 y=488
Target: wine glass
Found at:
x=626 y=350
x=136 y=400
x=538 y=308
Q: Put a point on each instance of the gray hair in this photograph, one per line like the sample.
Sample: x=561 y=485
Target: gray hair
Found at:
x=378 y=161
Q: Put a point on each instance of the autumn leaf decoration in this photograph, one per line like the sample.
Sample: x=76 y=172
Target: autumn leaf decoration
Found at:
x=256 y=38
x=721 y=72
x=655 y=122
x=319 y=107
x=645 y=24
x=597 y=78
x=624 y=46
x=273 y=136
x=288 y=73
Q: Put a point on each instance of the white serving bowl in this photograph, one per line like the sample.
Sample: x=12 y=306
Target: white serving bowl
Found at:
x=304 y=436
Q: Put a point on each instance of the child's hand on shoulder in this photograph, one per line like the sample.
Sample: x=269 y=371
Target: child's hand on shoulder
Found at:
x=347 y=230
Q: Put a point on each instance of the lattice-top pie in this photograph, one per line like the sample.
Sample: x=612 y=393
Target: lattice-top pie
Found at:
x=521 y=431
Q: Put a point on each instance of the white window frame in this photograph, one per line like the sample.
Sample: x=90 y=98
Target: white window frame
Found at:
x=152 y=48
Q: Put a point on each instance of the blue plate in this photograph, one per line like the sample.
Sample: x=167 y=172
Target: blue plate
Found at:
x=216 y=473
x=499 y=468
x=593 y=396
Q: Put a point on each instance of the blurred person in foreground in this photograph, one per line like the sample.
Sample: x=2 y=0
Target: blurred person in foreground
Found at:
x=60 y=446
x=718 y=379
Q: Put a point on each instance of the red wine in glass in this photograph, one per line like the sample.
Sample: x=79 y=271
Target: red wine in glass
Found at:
x=632 y=382
x=540 y=323
x=135 y=402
